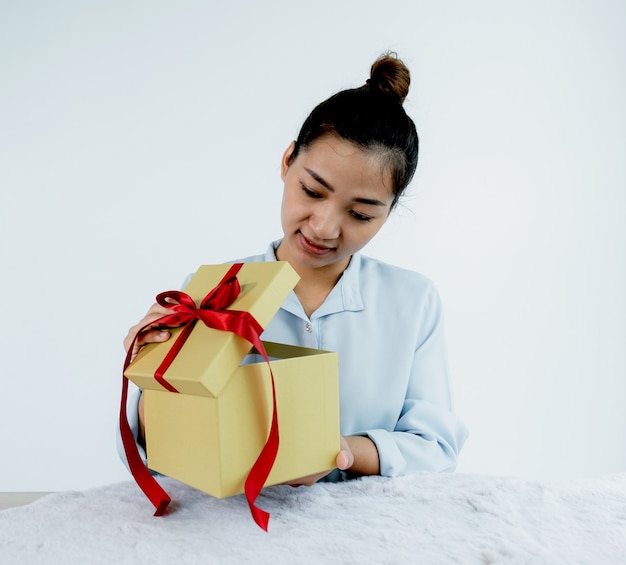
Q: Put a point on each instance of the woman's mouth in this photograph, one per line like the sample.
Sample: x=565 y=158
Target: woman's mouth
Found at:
x=312 y=247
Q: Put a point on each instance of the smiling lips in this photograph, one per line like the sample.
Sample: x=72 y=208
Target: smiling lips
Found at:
x=313 y=248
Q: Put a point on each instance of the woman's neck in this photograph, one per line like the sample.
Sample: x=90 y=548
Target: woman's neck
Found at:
x=314 y=284
x=312 y=292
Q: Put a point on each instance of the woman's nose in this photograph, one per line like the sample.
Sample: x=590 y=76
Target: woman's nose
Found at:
x=325 y=223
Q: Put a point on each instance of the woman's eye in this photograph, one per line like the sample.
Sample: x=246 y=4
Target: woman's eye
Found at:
x=360 y=217
x=309 y=192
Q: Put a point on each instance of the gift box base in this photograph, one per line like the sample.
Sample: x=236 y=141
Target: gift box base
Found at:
x=211 y=443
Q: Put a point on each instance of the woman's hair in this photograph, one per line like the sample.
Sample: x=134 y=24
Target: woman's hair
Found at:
x=372 y=117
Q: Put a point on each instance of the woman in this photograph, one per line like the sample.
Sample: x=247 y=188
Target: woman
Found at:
x=352 y=161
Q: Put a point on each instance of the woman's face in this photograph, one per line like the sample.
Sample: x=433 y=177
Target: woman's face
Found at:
x=336 y=198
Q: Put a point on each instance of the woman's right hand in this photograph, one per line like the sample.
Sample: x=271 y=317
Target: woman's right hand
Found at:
x=149 y=335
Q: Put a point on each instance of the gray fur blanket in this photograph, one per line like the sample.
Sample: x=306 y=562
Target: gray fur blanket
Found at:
x=424 y=518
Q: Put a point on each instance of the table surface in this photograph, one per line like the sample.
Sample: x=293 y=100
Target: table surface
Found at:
x=11 y=499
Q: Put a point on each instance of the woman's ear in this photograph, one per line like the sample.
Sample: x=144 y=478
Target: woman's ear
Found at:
x=284 y=165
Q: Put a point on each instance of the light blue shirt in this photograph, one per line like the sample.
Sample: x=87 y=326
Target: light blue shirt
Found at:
x=386 y=325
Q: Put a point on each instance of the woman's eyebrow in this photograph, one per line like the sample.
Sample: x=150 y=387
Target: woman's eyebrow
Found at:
x=319 y=179
x=325 y=184
x=370 y=201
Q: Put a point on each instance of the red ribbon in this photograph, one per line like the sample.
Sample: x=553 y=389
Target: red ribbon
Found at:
x=213 y=313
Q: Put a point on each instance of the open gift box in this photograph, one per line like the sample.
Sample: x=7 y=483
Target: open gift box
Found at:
x=210 y=432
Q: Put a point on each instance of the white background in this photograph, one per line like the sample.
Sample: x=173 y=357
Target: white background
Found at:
x=141 y=139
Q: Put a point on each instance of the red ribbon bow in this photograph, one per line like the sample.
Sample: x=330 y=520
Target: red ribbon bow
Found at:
x=213 y=313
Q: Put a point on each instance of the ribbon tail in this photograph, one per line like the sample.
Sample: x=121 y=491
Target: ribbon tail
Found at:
x=261 y=469
x=147 y=483
x=263 y=465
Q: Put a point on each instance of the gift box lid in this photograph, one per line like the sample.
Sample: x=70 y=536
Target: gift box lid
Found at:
x=209 y=356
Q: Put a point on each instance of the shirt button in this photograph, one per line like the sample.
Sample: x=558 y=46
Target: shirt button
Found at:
x=309 y=327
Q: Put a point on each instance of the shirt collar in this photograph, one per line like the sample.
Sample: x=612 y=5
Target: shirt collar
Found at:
x=345 y=296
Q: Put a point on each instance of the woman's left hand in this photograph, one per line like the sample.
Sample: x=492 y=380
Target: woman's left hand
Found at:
x=345 y=460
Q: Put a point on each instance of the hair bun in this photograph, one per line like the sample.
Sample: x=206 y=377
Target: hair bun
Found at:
x=390 y=75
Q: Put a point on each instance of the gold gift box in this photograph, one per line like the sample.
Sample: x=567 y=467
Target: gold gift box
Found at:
x=210 y=433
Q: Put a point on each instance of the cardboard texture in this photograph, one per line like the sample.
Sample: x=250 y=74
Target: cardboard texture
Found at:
x=210 y=434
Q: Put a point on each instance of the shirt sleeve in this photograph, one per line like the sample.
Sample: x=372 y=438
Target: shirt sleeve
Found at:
x=428 y=435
